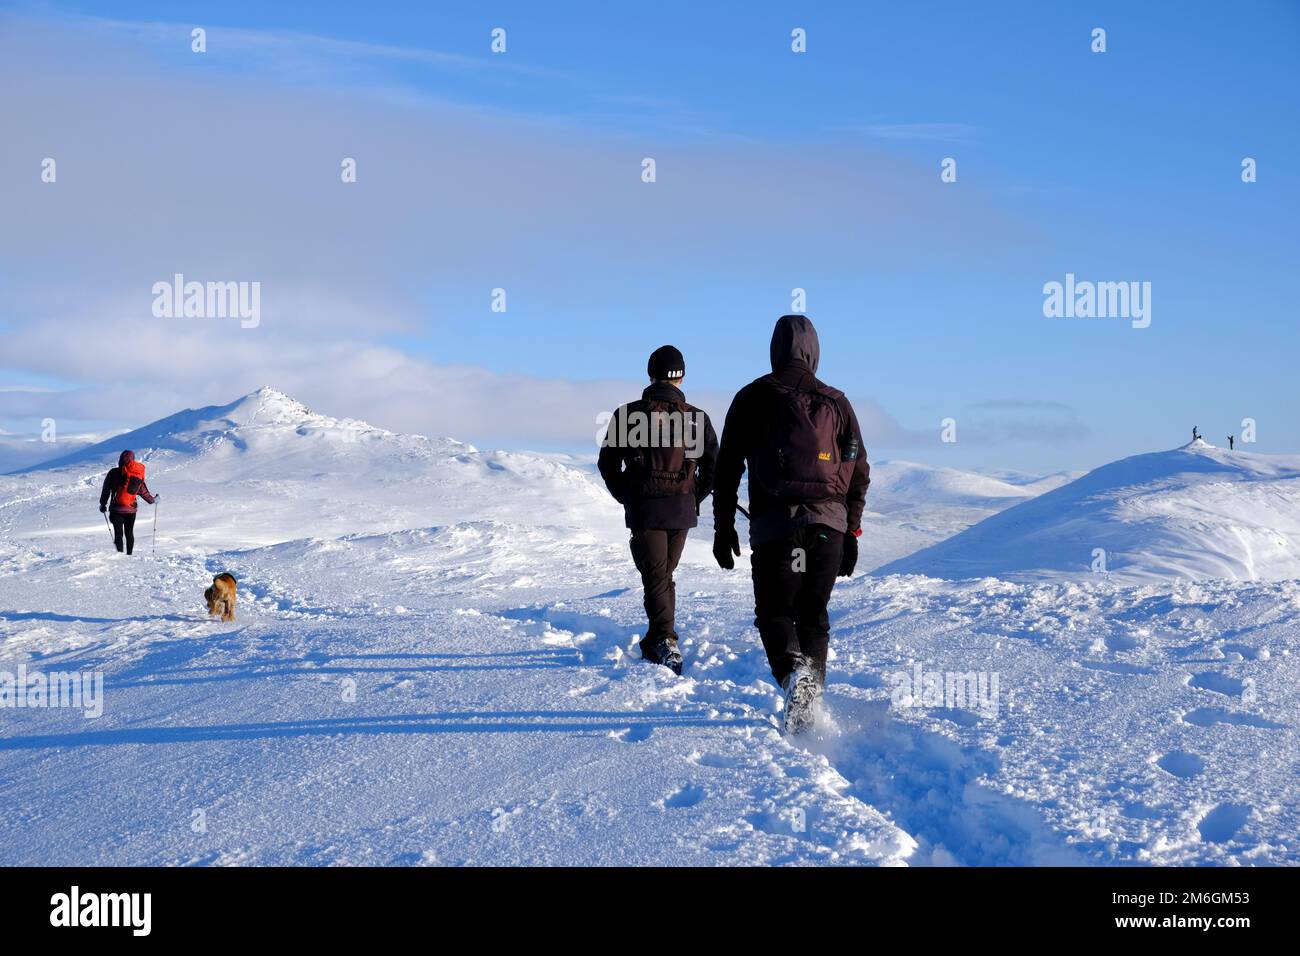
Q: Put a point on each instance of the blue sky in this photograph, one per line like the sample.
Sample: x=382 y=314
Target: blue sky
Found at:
x=775 y=170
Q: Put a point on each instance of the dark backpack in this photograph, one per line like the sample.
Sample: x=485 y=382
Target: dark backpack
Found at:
x=799 y=453
x=657 y=470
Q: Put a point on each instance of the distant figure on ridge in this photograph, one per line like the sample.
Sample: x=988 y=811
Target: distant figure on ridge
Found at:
x=1231 y=438
x=122 y=484
x=1196 y=435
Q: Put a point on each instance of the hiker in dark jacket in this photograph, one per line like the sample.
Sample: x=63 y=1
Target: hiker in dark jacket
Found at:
x=657 y=459
x=122 y=484
x=808 y=478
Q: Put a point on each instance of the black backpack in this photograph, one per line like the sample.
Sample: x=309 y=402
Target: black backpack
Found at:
x=803 y=444
x=658 y=470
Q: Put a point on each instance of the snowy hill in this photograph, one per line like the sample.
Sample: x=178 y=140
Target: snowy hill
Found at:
x=264 y=413
x=433 y=661
x=910 y=484
x=911 y=506
x=1195 y=512
x=266 y=469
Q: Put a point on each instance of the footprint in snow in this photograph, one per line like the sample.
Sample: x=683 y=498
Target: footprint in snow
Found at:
x=1218 y=683
x=1209 y=716
x=687 y=796
x=1121 y=642
x=1222 y=823
x=715 y=761
x=1181 y=764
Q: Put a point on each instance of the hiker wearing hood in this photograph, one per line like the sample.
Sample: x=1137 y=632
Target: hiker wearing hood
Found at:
x=808 y=478
x=657 y=458
x=122 y=484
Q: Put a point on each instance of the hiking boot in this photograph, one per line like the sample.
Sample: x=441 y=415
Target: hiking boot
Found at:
x=801 y=693
x=665 y=653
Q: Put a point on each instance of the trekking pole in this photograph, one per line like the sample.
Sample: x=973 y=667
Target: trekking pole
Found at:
x=110 y=529
x=744 y=512
x=153 y=548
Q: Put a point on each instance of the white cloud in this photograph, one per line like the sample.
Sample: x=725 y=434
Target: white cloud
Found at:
x=229 y=177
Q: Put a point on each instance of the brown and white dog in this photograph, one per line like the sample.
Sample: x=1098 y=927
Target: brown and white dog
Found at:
x=221 y=596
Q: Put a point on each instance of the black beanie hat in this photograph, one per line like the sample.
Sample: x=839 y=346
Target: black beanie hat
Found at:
x=666 y=363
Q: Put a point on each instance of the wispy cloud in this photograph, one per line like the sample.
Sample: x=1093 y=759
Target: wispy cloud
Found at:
x=1025 y=404
x=287 y=51
x=905 y=131
x=1024 y=421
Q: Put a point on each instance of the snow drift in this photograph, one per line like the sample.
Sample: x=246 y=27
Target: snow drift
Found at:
x=1196 y=512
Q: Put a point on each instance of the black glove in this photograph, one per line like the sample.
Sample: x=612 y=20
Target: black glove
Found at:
x=726 y=544
x=103 y=508
x=850 y=556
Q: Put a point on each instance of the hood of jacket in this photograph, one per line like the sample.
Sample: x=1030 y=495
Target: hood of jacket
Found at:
x=794 y=342
x=125 y=458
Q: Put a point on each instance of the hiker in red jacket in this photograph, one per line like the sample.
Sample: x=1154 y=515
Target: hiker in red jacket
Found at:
x=122 y=484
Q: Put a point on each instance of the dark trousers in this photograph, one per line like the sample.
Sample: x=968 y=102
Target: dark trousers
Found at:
x=656 y=553
x=793 y=578
x=123 y=527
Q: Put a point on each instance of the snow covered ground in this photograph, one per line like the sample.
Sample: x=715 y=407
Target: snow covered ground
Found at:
x=432 y=663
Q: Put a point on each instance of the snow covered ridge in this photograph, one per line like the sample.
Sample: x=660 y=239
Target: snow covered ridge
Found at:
x=266 y=469
x=1196 y=512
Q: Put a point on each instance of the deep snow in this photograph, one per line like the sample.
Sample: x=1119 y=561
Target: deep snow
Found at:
x=433 y=663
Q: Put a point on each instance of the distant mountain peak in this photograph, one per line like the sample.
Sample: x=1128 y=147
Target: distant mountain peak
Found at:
x=265 y=412
x=269 y=392
x=266 y=406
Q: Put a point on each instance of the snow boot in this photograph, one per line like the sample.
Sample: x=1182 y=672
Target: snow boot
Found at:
x=665 y=653
x=801 y=693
